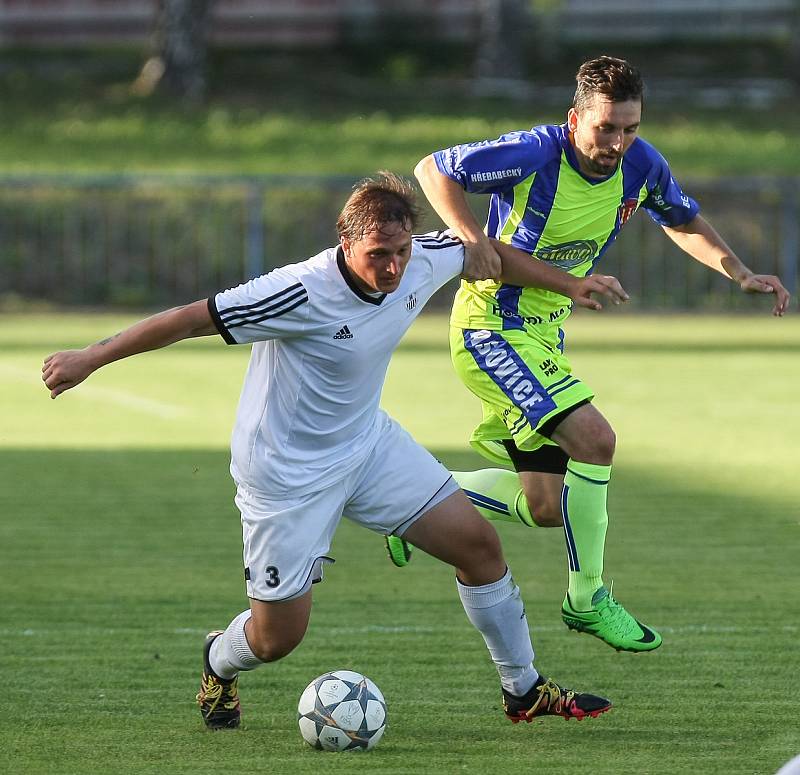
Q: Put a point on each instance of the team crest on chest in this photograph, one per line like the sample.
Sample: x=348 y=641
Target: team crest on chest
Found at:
x=411 y=301
x=626 y=210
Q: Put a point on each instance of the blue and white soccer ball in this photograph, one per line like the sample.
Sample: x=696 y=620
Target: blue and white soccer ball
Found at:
x=342 y=711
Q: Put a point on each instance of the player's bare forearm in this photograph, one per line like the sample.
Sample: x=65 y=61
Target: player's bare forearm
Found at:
x=523 y=270
x=64 y=370
x=450 y=203
x=700 y=240
x=155 y=332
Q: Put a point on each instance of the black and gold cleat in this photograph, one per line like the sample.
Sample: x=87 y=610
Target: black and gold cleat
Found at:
x=218 y=699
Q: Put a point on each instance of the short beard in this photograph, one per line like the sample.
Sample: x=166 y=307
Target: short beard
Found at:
x=599 y=169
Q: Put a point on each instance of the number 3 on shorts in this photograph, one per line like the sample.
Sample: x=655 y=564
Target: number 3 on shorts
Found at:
x=273 y=577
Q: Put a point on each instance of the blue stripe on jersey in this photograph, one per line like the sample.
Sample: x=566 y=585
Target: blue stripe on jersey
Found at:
x=487 y=503
x=572 y=551
x=540 y=203
x=630 y=175
x=272 y=307
x=508 y=300
x=500 y=206
x=497 y=359
x=560 y=345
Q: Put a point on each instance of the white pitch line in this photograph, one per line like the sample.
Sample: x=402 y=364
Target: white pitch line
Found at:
x=131 y=401
x=121 y=398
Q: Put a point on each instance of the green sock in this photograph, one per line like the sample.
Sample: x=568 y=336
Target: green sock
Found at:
x=496 y=493
x=583 y=504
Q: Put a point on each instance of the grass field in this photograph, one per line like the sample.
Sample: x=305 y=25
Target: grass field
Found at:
x=121 y=548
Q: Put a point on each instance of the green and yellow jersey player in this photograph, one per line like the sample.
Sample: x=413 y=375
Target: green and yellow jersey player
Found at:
x=561 y=194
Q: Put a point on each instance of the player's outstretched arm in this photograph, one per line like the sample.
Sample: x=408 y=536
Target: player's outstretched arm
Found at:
x=523 y=270
x=701 y=241
x=450 y=203
x=64 y=370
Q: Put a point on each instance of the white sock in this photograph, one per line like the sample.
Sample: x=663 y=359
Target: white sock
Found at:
x=497 y=612
x=230 y=652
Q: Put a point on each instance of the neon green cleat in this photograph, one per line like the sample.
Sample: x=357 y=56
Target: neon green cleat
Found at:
x=399 y=551
x=610 y=622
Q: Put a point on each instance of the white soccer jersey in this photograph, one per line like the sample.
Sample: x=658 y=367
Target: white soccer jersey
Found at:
x=309 y=409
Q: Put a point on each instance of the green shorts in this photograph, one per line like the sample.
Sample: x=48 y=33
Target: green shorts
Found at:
x=521 y=383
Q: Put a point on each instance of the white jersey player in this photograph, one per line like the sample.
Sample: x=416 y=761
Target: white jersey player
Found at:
x=311 y=444
x=304 y=421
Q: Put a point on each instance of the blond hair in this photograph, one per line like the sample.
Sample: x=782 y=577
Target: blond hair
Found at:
x=375 y=201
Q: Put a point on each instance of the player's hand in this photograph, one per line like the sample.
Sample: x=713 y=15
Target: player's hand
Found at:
x=768 y=283
x=481 y=261
x=603 y=284
x=64 y=370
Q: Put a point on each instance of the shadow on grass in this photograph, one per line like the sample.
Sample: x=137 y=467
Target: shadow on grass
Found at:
x=671 y=532
x=115 y=564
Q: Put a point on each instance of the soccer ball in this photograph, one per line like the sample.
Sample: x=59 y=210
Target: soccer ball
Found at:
x=342 y=711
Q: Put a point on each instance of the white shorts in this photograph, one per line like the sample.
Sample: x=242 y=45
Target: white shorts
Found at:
x=286 y=541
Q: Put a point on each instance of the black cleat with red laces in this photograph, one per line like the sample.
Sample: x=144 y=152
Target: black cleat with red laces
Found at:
x=547 y=698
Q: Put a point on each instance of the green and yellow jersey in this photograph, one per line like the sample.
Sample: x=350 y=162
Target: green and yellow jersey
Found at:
x=542 y=204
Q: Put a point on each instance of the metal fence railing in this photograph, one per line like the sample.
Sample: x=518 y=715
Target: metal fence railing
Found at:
x=150 y=241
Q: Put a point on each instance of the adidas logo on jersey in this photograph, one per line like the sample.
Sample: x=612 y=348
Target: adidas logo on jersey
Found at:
x=343 y=333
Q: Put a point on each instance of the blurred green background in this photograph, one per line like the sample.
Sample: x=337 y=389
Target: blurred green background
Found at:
x=154 y=152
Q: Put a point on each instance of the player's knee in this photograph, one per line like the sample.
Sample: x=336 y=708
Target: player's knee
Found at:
x=597 y=445
x=547 y=513
x=487 y=544
x=544 y=504
x=482 y=549
x=270 y=649
x=607 y=443
x=587 y=436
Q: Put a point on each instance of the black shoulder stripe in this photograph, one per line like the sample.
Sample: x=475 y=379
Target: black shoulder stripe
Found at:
x=439 y=236
x=264 y=309
x=265 y=300
x=438 y=245
x=444 y=234
x=424 y=241
x=267 y=315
